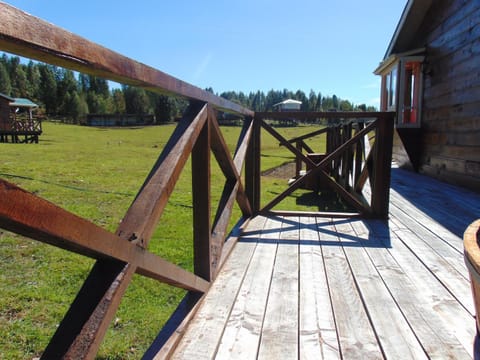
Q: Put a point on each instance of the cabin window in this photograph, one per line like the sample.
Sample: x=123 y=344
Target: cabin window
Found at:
x=402 y=89
x=392 y=87
x=411 y=92
x=389 y=90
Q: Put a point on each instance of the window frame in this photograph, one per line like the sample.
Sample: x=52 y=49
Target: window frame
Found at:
x=397 y=64
x=418 y=91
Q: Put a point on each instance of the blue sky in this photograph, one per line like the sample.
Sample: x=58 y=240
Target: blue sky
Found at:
x=249 y=45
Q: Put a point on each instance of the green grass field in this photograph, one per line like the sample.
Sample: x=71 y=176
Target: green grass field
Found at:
x=96 y=173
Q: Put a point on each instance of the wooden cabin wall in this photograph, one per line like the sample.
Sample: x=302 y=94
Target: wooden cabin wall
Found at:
x=451 y=106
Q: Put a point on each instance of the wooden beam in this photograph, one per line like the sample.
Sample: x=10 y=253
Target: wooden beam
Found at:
x=227 y=164
x=242 y=146
x=222 y=153
x=28 y=215
x=80 y=337
x=202 y=252
x=31 y=37
x=382 y=168
x=309 y=135
x=285 y=143
x=222 y=221
x=145 y=211
x=252 y=167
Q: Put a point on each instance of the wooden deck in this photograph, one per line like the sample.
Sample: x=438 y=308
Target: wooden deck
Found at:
x=312 y=288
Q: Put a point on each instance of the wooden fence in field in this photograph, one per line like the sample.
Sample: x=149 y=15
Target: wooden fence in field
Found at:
x=345 y=169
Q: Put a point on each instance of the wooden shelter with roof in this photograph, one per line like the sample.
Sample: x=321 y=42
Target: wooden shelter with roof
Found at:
x=17 y=121
x=288 y=105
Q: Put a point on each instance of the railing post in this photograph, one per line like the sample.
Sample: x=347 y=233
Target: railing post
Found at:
x=382 y=165
x=252 y=167
x=201 y=204
x=298 y=161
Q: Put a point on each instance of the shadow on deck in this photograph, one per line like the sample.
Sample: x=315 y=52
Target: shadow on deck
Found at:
x=306 y=287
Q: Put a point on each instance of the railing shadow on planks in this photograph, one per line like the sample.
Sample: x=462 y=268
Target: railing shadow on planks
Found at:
x=345 y=169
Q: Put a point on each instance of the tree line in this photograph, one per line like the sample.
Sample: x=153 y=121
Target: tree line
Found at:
x=315 y=101
x=65 y=94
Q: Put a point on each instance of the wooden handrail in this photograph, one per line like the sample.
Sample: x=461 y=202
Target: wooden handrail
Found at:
x=29 y=36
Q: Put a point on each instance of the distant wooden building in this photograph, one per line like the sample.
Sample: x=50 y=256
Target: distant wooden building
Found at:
x=288 y=105
x=431 y=79
x=120 y=119
x=17 y=122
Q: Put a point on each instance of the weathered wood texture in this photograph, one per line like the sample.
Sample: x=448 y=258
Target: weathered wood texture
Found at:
x=324 y=288
x=451 y=99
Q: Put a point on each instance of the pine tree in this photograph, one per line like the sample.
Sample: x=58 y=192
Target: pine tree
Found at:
x=48 y=88
x=5 y=85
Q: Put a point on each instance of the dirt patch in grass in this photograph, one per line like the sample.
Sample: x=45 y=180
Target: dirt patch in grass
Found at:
x=285 y=171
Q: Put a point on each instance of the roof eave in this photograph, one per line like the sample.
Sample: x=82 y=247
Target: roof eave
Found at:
x=409 y=23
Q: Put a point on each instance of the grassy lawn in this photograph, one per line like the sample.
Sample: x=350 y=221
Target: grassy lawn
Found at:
x=96 y=173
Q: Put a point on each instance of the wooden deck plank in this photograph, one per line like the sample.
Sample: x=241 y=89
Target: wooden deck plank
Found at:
x=437 y=247
x=280 y=328
x=439 y=200
x=242 y=333
x=436 y=339
x=433 y=294
x=454 y=281
x=386 y=317
x=423 y=222
x=317 y=332
x=356 y=336
x=205 y=330
x=321 y=288
x=434 y=241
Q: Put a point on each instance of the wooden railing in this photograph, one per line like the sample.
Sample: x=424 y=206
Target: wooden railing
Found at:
x=358 y=152
x=21 y=128
x=121 y=254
